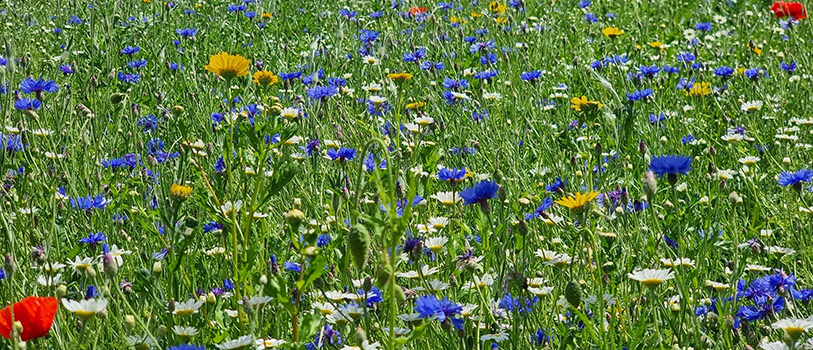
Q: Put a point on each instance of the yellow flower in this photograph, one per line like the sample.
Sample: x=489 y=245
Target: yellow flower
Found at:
x=228 y=66
x=457 y=20
x=476 y=15
x=265 y=78
x=266 y=15
x=399 y=77
x=699 y=90
x=656 y=45
x=180 y=191
x=147 y=1
x=579 y=202
x=584 y=105
x=612 y=32
x=415 y=105
x=502 y=20
x=496 y=7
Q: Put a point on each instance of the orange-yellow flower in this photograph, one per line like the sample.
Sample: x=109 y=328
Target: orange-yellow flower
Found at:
x=496 y=7
x=265 y=78
x=612 y=32
x=228 y=66
x=578 y=202
x=399 y=77
x=584 y=105
x=180 y=191
x=700 y=89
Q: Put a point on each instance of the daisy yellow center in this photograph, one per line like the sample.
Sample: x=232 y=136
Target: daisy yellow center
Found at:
x=435 y=248
x=794 y=332
x=84 y=314
x=652 y=282
x=186 y=312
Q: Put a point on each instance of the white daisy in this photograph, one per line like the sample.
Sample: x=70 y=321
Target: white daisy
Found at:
x=446 y=198
x=85 y=308
x=239 y=343
x=186 y=308
x=652 y=277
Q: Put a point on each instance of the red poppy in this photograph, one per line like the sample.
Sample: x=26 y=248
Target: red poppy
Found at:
x=35 y=313
x=796 y=10
x=417 y=10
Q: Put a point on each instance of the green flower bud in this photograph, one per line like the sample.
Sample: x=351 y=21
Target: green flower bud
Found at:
x=358 y=243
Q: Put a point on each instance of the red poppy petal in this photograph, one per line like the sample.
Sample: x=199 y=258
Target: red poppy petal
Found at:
x=36 y=314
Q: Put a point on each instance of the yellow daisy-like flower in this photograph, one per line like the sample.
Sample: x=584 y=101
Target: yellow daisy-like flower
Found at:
x=699 y=90
x=476 y=15
x=399 y=77
x=228 y=66
x=180 y=191
x=612 y=32
x=496 y=7
x=265 y=78
x=584 y=105
x=415 y=105
x=501 y=20
x=656 y=45
x=578 y=202
x=457 y=20
x=266 y=15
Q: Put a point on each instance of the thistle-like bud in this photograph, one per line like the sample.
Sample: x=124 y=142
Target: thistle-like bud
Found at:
x=650 y=185
x=358 y=243
x=129 y=322
x=573 y=293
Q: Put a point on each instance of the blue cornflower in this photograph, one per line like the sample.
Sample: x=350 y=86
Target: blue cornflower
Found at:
x=531 y=76
x=31 y=86
x=186 y=347
x=755 y=73
x=342 y=154
x=640 y=95
x=703 y=26
x=558 y=186
x=128 y=77
x=289 y=76
x=323 y=240
x=480 y=193
x=670 y=166
x=26 y=103
x=93 y=239
x=322 y=92
x=671 y=70
x=541 y=337
x=687 y=139
x=443 y=310
x=540 y=210
x=649 y=71
x=788 y=67
x=415 y=56
x=66 y=69
x=328 y=336
x=723 y=71
x=137 y=64
x=584 y=3
x=452 y=175
x=186 y=32
x=452 y=84
x=490 y=58
x=213 y=226
x=686 y=57
x=590 y=18
x=292 y=266
x=129 y=50
x=795 y=179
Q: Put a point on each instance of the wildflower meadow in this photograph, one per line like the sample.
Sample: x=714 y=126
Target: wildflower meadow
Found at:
x=405 y=174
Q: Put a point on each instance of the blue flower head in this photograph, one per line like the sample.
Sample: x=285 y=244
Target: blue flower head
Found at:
x=452 y=175
x=443 y=310
x=670 y=166
x=480 y=193
x=795 y=179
